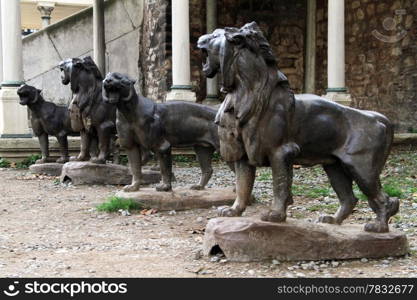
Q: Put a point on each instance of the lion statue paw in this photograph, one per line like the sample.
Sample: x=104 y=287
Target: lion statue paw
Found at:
x=163 y=187
x=197 y=187
x=227 y=211
x=274 y=216
x=376 y=227
x=131 y=188
x=327 y=219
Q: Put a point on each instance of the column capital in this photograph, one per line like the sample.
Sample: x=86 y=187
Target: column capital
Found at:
x=45 y=8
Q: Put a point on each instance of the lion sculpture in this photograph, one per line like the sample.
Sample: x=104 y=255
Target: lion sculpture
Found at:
x=262 y=123
x=144 y=125
x=47 y=119
x=90 y=115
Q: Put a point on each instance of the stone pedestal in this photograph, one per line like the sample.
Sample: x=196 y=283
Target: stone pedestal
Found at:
x=181 y=198
x=51 y=169
x=90 y=173
x=339 y=97
x=13 y=117
x=181 y=94
x=249 y=239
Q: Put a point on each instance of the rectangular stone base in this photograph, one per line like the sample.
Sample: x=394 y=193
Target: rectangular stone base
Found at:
x=84 y=172
x=51 y=169
x=181 y=198
x=249 y=239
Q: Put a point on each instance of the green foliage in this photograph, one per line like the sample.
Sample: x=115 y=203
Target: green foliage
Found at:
x=265 y=176
x=123 y=160
x=411 y=130
x=4 y=163
x=183 y=158
x=24 y=164
x=393 y=191
x=216 y=156
x=318 y=192
x=114 y=203
x=326 y=208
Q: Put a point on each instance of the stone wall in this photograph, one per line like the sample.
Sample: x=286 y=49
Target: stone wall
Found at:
x=283 y=23
x=73 y=37
x=154 y=62
x=381 y=58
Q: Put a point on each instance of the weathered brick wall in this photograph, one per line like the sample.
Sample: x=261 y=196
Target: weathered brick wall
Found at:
x=153 y=66
x=283 y=23
x=381 y=56
x=380 y=75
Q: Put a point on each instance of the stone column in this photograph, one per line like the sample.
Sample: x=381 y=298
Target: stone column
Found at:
x=310 y=63
x=181 y=77
x=46 y=8
x=336 y=90
x=98 y=36
x=212 y=97
x=13 y=116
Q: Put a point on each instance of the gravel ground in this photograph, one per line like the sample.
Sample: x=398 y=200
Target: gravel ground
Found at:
x=50 y=229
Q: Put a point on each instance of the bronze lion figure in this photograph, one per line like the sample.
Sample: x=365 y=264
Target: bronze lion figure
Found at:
x=90 y=115
x=262 y=123
x=47 y=118
x=144 y=125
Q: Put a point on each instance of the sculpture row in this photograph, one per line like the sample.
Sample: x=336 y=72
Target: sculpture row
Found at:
x=261 y=123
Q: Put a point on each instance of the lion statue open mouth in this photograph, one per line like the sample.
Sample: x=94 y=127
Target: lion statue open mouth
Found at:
x=262 y=123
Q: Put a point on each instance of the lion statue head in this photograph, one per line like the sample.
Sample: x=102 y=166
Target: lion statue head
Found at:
x=248 y=67
x=117 y=87
x=77 y=70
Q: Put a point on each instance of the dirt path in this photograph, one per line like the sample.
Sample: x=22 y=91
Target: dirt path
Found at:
x=53 y=230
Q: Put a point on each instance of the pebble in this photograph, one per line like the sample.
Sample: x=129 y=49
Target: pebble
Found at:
x=364 y=260
x=275 y=262
x=200 y=219
x=198 y=254
x=214 y=259
x=335 y=264
x=251 y=272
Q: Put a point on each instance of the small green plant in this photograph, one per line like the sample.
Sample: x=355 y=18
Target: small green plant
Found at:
x=123 y=160
x=326 y=208
x=393 y=191
x=27 y=162
x=184 y=158
x=4 y=163
x=318 y=192
x=265 y=176
x=411 y=130
x=114 y=203
x=216 y=156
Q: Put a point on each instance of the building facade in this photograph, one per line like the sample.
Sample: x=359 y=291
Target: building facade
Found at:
x=362 y=53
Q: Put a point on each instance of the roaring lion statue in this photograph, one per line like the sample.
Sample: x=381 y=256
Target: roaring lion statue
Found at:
x=90 y=115
x=144 y=125
x=262 y=123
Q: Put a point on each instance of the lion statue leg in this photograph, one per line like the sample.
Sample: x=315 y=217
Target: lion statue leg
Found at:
x=245 y=177
x=63 y=145
x=165 y=163
x=134 y=156
x=342 y=185
x=84 y=147
x=204 y=156
x=104 y=132
x=281 y=164
x=44 y=145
